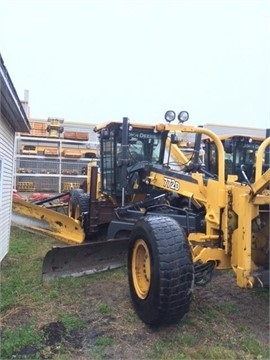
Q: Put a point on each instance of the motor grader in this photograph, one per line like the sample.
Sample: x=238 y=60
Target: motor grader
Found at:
x=176 y=225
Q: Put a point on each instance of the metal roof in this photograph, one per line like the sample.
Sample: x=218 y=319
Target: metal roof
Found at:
x=235 y=130
x=10 y=104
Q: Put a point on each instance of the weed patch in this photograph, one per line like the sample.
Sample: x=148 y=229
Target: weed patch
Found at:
x=98 y=350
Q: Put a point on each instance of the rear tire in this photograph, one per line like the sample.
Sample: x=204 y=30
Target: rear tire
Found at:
x=73 y=202
x=79 y=204
x=160 y=270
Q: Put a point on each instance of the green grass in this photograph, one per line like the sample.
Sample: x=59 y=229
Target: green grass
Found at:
x=27 y=303
x=196 y=345
x=71 y=321
x=104 y=309
x=262 y=293
x=14 y=339
x=210 y=334
x=22 y=290
x=98 y=351
x=131 y=318
x=22 y=269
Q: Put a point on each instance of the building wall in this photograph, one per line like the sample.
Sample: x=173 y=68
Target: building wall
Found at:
x=235 y=130
x=6 y=181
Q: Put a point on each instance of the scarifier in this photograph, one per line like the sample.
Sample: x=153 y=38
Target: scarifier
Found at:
x=173 y=215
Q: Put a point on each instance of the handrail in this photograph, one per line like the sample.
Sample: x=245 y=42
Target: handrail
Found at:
x=213 y=136
x=259 y=158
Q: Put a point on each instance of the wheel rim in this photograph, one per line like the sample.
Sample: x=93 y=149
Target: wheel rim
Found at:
x=141 y=269
x=69 y=208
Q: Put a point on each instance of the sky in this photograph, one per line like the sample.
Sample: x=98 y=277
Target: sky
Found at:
x=100 y=60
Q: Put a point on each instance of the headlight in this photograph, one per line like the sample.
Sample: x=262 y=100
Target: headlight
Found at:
x=169 y=115
x=183 y=116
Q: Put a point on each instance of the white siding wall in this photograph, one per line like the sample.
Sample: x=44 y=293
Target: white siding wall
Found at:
x=6 y=154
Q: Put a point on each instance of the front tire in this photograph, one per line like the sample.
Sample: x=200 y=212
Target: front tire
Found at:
x=160 y=270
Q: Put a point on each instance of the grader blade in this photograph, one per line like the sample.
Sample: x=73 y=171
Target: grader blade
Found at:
x=39 y=219
x=85 y=259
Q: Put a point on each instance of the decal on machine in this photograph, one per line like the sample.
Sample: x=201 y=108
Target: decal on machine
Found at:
x=171 y=184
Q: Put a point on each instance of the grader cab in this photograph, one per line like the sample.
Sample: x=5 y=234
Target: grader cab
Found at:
x=240 y=156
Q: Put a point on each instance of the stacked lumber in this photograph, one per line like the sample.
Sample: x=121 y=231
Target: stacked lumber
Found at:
x=38 y=129
x=76 y=135
x=73 y=153
x=50 y=151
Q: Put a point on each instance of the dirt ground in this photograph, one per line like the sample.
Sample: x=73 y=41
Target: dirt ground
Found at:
x=218 y=311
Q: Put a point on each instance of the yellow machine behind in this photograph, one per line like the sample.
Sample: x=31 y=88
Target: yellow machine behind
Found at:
x=177 y=215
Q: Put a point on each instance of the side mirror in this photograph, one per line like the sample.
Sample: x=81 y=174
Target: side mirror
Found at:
x=228 y=146
x=105 y=134
x=174 y=139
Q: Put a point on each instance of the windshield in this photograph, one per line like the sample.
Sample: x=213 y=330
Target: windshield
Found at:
x=142 y=146
x=241 y=151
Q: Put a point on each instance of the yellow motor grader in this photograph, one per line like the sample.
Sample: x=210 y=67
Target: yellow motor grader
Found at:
x=173 y=226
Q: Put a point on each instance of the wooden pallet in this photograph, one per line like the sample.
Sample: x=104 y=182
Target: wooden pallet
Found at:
x=76 y=135
x=50 y=152
x=28 y=150
x=67 y=186
x=26 y=186
x=73 y=153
